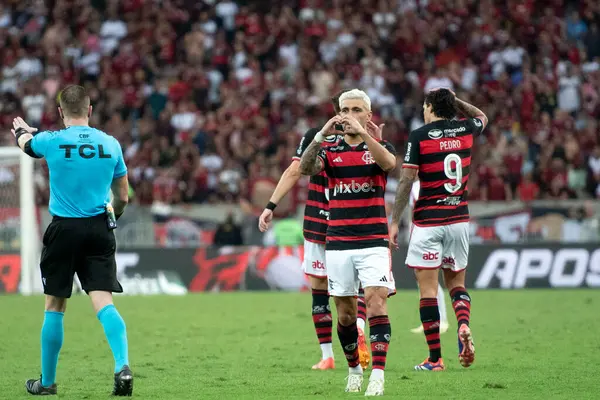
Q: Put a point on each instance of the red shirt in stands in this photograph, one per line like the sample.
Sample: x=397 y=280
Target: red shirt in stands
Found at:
x=528 y=191
x=514 y=163
x=496 y=189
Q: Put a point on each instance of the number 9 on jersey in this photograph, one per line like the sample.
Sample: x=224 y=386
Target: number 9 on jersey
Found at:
x=455 y=174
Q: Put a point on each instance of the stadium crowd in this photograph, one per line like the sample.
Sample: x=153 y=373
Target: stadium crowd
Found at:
x=208 y=96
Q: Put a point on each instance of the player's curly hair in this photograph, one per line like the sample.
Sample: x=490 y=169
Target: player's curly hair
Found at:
x=443 y=103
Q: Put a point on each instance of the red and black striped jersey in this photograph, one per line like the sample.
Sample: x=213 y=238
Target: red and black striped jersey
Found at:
x=316 y=210
x=441 y=151
x=357 y=216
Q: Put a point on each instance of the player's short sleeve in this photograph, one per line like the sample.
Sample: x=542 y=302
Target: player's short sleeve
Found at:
x=323 y=156
x=120 y=168
x=304 y=142
x=389 y=147
x=39 y=143
x=477 y=125
x=411 y=155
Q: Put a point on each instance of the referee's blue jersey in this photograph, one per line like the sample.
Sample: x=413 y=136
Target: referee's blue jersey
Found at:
x=83 y=162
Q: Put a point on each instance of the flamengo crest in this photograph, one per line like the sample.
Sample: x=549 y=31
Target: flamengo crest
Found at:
x=368 y=158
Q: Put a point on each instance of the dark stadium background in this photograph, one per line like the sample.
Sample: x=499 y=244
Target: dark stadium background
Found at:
x=209 y=100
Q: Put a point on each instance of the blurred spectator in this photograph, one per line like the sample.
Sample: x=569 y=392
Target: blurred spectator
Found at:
x=228 y=233
x=582 y=224
x=527 y=190
x=590 y=230
x=285 y=232
x=572 y=226
x=569 y=92
x=594 y=172
x=206 y=96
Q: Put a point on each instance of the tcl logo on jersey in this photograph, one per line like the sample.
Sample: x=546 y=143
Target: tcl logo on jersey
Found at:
x=510 y=268
x=84 y=150
x=431 y=256
x=318 y=265
x=353 y=187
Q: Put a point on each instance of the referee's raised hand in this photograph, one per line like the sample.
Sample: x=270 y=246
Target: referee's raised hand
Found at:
x=19 y=123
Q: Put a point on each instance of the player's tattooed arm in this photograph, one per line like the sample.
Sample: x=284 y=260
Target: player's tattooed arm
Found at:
x=409 y=176
x=310 y=164
x=470 y=110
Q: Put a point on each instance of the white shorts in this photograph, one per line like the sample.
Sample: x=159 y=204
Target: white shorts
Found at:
x=314 y=259
x=348 y=269
x=445 y=246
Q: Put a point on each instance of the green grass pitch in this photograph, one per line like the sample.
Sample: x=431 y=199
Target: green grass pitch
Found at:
x=536 y=344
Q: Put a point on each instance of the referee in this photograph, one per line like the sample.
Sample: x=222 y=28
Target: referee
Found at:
x=85 y=164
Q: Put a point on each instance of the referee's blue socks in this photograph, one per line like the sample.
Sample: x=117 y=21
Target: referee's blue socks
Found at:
x=116 y=334
x=52 y=339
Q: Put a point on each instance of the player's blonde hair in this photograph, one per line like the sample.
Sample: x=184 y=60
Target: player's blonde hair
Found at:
x=356 y=94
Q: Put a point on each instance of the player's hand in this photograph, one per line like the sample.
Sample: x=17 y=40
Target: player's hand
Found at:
x=20 y=123
x=328 y=129
x=355 y=126
x=265 y=220
x=394 y=235
x=375 y=131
